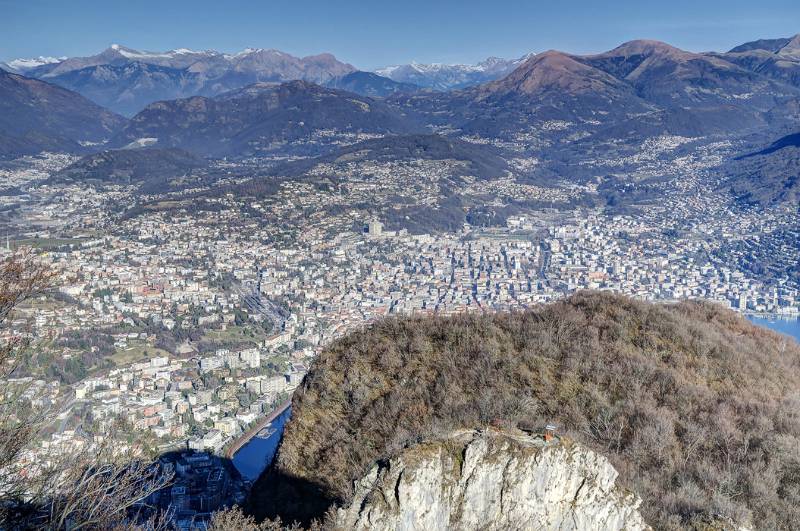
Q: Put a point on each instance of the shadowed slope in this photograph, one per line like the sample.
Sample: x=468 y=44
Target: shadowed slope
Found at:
x=36 y=116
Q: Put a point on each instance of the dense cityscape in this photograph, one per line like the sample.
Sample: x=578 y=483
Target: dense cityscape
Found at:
x=224 y=229
x=199 y=323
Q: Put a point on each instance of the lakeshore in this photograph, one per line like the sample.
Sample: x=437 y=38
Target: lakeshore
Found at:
x=785 y=325
x=252 y=454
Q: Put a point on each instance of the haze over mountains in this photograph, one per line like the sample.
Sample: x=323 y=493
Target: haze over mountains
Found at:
x=641 y=87
x=126 y=80
x=265 y=102
x=440 y=76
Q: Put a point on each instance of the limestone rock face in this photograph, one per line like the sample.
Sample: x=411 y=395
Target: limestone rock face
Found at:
x=491 y=481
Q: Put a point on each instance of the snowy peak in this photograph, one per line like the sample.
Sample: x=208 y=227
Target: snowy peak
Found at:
x=441 y=76
x=493 y=64
x=157 y=57
x=23 y=65
x=180 y=58
x=127 y=79
x=185 y=51
x=244 y=53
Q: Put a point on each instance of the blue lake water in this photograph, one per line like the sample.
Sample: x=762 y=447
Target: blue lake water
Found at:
x=258 y=453
x=790 y=326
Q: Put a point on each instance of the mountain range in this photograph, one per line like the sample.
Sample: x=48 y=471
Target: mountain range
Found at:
x=262 y=118
x=126 y=80
x=640 y=88
x=776 y=58
x=553 y=104
x=440 y=76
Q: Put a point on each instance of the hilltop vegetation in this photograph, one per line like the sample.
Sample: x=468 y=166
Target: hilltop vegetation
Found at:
x=694 y=406
x=260 y=119
x=484 y=162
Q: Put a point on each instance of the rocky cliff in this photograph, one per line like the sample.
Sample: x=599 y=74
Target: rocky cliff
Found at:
x=491 y=481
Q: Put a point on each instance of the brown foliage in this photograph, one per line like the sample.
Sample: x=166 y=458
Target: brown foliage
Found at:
x=21 y=278
x=234 y=519
x=696 y=407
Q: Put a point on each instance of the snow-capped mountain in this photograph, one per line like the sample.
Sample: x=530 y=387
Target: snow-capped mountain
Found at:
x=126 y=80
x=20 y=66
x=257 y=60
x=440 y=76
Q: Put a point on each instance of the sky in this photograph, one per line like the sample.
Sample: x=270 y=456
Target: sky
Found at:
x=370 y=34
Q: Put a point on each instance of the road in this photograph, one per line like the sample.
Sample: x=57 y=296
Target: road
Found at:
x=64 y=415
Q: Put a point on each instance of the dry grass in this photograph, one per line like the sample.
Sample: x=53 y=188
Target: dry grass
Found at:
x=697 y=408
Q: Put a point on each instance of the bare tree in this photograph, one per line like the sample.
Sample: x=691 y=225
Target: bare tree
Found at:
x=21 y=278
x=103 y=492
x=95 y=486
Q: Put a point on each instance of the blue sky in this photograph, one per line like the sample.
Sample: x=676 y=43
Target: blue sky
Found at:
x=374 y=33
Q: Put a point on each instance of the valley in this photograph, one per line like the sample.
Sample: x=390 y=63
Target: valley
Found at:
x=227 y=226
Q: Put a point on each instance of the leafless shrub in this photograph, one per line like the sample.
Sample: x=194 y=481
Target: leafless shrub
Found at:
x=696 y=408
x=94 y=487
x=235 y=520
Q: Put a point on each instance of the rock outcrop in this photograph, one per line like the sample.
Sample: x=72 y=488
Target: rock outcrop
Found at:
x=491 y=481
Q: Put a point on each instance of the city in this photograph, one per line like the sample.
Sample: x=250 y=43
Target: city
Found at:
x=280 y=283
x=200 y=323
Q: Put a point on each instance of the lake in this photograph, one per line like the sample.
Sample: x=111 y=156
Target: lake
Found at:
x=258 y=453
x=789 y=326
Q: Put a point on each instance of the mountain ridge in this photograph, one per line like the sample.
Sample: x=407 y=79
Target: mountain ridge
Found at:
x=180 y=73
x=586 y=94
x=39 y=116
x=440 y=76
x=260 y=118
x=370 y=84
